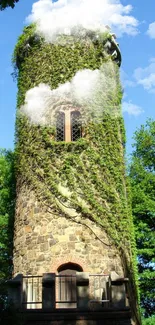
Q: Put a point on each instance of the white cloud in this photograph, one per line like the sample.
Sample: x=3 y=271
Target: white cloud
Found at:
x=36 y=101
x=71 y=16
x=132 y=109
x=84 y=91
x=146 y=76
x=130 y=83
x=151 y=30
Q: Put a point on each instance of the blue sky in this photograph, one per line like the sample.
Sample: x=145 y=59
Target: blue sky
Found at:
x=138 y=68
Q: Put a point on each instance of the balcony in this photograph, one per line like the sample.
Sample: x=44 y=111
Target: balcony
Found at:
x=80 y=296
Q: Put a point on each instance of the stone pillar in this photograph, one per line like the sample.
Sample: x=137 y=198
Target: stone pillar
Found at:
x=48 y=291
x=82 y=289
x=15 y=293
x=118 y=291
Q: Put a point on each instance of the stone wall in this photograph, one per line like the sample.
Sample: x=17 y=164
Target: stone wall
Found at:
x=43 y=241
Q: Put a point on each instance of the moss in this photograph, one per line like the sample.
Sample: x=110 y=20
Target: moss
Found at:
x=92 y=168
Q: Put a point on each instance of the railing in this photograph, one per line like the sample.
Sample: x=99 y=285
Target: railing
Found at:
x=66 y=291
x=32 y=292
x=73 y=291
x=99 y=289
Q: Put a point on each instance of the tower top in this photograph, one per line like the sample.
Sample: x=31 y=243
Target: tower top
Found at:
x=30 y=37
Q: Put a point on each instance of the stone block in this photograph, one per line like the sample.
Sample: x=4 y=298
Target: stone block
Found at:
x=41 y=258
x=72 y=238
x=41 y=239
x=63 y=238
x=23 y=251
x=52 y=242
x=55 y=249
x=71 y=245
x=36 y=210
x=44 y=247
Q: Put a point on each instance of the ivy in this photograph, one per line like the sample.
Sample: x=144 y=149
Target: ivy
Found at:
x=89 y=174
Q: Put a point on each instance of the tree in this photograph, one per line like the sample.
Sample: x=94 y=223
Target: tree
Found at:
x=7 y=204
x=7 y=3
x=148 y=321
x=142 y=174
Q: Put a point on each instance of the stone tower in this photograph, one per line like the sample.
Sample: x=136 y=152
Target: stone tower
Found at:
x=73 y=211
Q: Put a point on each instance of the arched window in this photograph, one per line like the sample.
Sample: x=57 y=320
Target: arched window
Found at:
x=68 y=126
x=76 y=126
x=60 y=127
x=70 y=266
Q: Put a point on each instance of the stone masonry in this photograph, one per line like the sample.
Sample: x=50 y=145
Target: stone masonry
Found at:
x=43 y=241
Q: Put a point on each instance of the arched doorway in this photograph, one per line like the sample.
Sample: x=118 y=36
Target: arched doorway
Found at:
x=66 y=285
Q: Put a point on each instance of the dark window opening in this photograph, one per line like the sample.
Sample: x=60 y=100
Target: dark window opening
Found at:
x=70 y=266
x=60 y=127
x=76 y=126
x=67 y=287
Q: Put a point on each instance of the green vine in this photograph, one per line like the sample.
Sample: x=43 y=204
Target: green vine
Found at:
x=87 y=175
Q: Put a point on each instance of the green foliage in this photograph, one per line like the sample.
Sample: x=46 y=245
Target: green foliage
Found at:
x=91 y=169
x=148 y=321
x=7 y=204
x=7 y=3
x=142 y=174
x=7 y=201
x=23 y=46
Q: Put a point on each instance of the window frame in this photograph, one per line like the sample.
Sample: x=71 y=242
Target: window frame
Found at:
x=68 y=125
